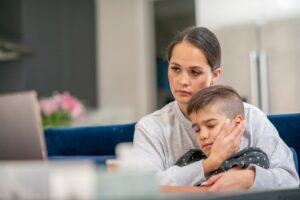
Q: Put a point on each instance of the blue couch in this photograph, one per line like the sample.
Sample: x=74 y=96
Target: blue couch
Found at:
x=98 y=143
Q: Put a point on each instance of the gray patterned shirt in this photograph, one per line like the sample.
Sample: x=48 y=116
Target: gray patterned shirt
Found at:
x=242 y=159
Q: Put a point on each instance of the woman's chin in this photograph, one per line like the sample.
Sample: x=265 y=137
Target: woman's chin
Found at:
x=183 y=100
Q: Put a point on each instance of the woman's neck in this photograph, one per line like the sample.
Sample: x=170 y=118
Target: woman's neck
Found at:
x=183 y=109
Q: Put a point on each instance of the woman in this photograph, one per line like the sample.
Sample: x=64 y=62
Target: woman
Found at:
x=164 y=136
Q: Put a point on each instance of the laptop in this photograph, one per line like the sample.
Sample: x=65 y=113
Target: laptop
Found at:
x=21 y=132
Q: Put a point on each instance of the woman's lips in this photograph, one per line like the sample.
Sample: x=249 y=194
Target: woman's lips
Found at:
x=183 y=93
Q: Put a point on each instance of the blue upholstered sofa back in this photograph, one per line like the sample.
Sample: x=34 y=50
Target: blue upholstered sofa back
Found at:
x=98 y=142
x=87 y=141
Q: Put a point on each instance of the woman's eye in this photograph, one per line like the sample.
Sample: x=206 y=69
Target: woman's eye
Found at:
x=175 y=69
x=195 y=73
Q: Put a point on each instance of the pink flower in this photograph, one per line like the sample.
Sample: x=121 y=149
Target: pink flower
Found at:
x=67 y=102
x=72 y=105
x=63 y=102
x=78 y=111
x=48 y=106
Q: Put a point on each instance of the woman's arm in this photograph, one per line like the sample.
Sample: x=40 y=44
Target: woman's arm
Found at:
x=233 y=180
x=282 y=172
x=151 y=146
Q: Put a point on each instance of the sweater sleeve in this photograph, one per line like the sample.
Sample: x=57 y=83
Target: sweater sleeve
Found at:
x=150 y=145
x=282 y=172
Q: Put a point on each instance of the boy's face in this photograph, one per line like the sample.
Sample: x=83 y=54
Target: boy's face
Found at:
x=207 y=124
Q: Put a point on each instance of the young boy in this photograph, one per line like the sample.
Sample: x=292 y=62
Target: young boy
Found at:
x=208 y=110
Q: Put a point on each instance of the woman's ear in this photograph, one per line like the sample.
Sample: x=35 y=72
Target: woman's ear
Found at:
x=216 y=74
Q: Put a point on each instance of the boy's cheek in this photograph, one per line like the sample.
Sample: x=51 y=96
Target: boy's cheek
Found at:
x=207 y=153
x=198 y=139
x=199 y=144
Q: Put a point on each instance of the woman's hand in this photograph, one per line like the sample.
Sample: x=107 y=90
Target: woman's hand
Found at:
x=226 y=143
x=233 y=179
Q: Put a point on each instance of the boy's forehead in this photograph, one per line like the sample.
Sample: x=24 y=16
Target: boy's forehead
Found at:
x=208 y=113
x=211 y=109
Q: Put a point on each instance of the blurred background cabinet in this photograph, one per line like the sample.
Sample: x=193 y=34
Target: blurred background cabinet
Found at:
x=260 y=46
x=170 y=17
x=61 y=34
x=262 y=63
x=260 y=49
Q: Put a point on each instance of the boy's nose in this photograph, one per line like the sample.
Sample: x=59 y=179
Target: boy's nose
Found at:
x=203 y=135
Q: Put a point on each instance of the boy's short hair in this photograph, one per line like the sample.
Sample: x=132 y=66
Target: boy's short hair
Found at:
x=230 y=101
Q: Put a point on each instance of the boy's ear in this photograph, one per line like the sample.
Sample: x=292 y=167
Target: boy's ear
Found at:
x=238 y=119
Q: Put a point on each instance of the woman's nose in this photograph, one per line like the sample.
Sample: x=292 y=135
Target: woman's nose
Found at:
x=184 y=79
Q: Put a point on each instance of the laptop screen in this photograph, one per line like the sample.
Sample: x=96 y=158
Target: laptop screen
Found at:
x=21 y=132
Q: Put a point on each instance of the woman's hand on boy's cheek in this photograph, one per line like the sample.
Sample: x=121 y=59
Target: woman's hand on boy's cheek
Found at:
x=227 y=142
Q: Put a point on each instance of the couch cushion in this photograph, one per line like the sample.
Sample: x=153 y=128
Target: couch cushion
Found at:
x=100 y=160
x=288 y=126
x=91 y=141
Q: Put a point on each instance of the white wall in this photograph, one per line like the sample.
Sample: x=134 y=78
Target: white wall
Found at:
x=126 y=61
x=216 y=13
x=269 y=26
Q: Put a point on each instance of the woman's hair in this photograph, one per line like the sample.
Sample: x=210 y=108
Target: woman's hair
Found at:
x=230 y=102
x=203 y=39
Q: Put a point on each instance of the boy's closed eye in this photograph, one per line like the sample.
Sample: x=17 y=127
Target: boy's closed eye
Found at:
x=208 y=125
x=211 y=125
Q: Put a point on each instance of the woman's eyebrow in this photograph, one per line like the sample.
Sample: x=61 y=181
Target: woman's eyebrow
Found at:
x=196 y=67
x=174 y=63
x=191 y=67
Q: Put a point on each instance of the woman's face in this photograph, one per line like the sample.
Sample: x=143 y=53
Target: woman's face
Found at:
x=189 y=72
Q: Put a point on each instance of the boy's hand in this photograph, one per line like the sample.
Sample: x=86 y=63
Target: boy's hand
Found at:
x=226 y=143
